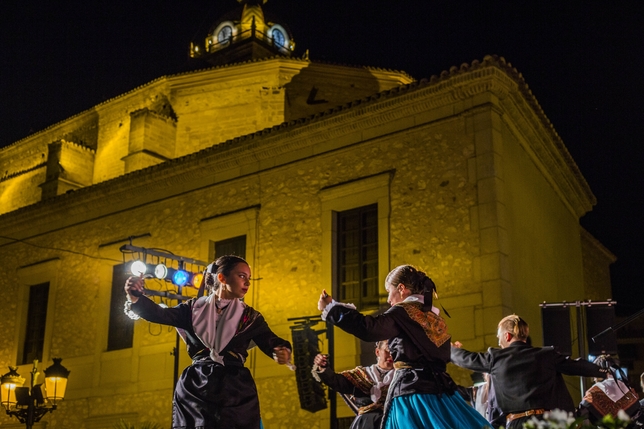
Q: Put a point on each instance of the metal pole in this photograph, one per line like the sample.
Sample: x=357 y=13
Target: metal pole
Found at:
x=176 y=356
x=581 y=345
x=30 y=408
x=333 y=397
x=175 y=352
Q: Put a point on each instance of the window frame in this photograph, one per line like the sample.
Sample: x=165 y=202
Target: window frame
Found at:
x=345 y=196
x=32 y=275
x=239 y=237
x=42 y=327
x=230 y=225
x=361 y=303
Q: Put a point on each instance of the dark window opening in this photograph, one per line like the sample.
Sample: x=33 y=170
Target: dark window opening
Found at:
x=357 y=256
x=231 y=246
x=36 y=322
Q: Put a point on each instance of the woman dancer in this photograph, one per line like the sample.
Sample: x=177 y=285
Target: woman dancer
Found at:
x=216 y=391
x=421 y=394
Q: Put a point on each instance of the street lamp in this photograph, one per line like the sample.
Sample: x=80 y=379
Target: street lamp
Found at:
x=30 y=404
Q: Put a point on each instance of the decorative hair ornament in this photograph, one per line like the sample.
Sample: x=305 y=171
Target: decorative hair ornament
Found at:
x=429 y=287
x=208 y=280
x=211 y=271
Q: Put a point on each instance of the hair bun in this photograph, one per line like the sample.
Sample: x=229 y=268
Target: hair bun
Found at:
x=429 y=285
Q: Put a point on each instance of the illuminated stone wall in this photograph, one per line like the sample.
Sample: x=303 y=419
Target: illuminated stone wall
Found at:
x=21 y=189
x=69 y=167
x=152 y=140
x=193 y=111
x=463 y=188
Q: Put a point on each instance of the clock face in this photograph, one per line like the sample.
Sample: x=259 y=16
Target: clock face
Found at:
x=278 y=37
x=224 y=34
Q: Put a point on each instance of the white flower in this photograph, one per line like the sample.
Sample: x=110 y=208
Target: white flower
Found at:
x=534 y=423
x=559 y=416
x=621 y=414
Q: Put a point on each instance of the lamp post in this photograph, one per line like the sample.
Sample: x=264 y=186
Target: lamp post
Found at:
x=30 y=404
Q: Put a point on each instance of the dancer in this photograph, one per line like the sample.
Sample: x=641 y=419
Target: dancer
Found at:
x=525 y=378
x=364 y=389
x=421 y=394
x=216 y=391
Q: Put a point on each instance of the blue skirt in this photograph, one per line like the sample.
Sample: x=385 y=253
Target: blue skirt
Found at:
x=424 y=410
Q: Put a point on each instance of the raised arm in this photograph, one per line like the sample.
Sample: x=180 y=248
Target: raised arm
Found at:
x=580 y=367
x=481 y=362
x=178 y=316
x=367 y=328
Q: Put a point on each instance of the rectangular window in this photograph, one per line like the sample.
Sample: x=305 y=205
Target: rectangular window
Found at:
x=357 y=256
x=36 y=321
x=231 y=246
x=121 y=328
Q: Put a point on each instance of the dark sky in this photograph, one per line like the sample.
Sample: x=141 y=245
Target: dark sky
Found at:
x=583 y=61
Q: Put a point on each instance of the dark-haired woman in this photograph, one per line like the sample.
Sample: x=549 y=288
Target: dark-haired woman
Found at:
x=216 y=391
x=421 y=394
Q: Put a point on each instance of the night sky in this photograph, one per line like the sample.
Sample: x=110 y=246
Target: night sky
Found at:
x=583 y=61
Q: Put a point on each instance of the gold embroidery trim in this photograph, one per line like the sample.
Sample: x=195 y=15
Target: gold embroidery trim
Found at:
x=359 y=378
x=605 y=405
x=433 y=325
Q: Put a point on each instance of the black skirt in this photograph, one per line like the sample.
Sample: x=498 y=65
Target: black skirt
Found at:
x=367 y=420
x=213 y=396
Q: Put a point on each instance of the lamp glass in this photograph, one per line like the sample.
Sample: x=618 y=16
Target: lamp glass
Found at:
x=55 y=389
x=138 y=268
x=196 y=279
x=9 y=383
x=8 y=395
x=56 y=381
x=180 y=278
x=161 y=271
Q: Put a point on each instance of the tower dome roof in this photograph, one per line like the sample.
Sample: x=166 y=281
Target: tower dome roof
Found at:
x=245 y=33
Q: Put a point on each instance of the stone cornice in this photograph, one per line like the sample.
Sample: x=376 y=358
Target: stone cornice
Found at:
x=20 y=173
x=241 y=71
x=36 y=137
x=523 y=114
x=78 y=145
x=299 y=139
x=147 y=111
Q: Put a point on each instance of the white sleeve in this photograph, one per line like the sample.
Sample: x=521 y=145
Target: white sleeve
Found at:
x=333 y=304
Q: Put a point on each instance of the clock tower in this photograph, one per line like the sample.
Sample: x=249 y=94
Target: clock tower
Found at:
x=244 y=34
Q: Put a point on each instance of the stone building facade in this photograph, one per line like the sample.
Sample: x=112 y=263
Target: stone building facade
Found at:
x=464 y=174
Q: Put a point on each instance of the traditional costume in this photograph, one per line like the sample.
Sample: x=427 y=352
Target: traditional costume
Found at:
x=421 y=393
x=608 y=397
x=364 y=389
x=525 y=378
x=216 y=391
